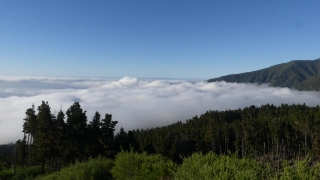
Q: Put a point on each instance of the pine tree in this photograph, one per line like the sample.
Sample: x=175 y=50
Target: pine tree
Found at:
x=21 y=152
x=107 y=136
x=122 y=140
x=95 y=148
x=77 y=134
x=60 y=127
x=29 y=129
x=45 y=133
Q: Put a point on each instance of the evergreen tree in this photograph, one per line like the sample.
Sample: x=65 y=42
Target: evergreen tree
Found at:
x=45 y=142
x=122 y=140
x=60 y=127
x=21 y=152
x=95 y=148
x=107 y=136
x=77 y=134
x=29 y=129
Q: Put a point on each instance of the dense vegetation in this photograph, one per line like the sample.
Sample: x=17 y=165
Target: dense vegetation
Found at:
x=299 y=74
x=133 y=165
x=250 y=143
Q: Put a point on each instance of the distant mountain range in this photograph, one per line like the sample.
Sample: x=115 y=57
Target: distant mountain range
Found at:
x=298 y=74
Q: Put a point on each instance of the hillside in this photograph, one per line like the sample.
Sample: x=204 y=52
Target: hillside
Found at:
x=298 y=74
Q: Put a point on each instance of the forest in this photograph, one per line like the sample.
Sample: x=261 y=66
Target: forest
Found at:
x=268 y=142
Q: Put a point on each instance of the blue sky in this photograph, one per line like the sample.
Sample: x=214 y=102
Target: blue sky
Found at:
x=154 y=39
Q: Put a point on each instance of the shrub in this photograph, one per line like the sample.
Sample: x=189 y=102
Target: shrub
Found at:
x=98 y=168
x=212 y=166
x=27 y=172
x=300 y=170
x=132 y=165
x=6 y=174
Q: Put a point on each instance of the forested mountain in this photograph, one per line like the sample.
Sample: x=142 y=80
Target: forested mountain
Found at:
x=298 y=74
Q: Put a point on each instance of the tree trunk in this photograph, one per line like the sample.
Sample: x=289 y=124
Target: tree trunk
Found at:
x=14 y=160
x=42 y=166
x=268 y=149
x=225 y=146
x=264 y=148
x=278 y=155
x=242 y=147
x=305 y=145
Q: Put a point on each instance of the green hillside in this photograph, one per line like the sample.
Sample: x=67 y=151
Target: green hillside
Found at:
x=298 y=74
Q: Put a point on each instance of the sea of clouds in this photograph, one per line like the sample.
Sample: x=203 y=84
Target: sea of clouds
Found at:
x=135 y=103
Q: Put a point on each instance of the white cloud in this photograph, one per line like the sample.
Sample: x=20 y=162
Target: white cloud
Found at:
x=135 y=103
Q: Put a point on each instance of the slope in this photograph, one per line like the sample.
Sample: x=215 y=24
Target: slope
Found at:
x=298 y=74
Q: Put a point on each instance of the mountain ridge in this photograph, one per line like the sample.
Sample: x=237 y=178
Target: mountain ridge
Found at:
x=298 y=74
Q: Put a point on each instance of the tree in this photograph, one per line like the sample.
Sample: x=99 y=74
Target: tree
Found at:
x=45 y=133
x=29 y=129
x=21 y=152
x=77 y=135
x=60 y=127
x=107 y=136
x=95 y=148
x=122 y=140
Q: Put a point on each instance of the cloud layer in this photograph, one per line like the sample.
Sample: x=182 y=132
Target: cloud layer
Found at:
x=135 y=103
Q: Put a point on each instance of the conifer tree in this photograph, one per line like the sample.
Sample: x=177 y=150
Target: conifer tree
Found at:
x=29 y=129
x=95 y=148
x=77 y=134
x=60 y=127
x=107 y=136
x=45 y=141
x=21 y=152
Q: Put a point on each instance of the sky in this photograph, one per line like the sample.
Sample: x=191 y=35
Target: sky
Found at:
x=135 y=103
x=154 y=39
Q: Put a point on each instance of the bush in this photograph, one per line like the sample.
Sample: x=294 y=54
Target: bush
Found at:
x=212 y=166
x=6 y=174
x=21 y=173
x=131 y=165
x=300 y=170
x=98 y=168
x=27 y=172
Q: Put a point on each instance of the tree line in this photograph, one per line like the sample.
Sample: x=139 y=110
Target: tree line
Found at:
x=267 y=133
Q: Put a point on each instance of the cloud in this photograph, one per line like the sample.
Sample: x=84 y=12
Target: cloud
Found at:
x=135 y=103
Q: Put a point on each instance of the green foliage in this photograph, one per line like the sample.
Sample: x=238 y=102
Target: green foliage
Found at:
x=2 y=166
x=132 y=165
x=21 y=173
x=98 y=168
x=6 y=174
x=212 y=166
x=300 y=170
x=301 y=75
x=27 y=172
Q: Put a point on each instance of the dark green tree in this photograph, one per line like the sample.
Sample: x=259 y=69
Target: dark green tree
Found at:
x=95 y=148
x=60 y=127
x=77 y=134
x=107 y=135
x=46 y=135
